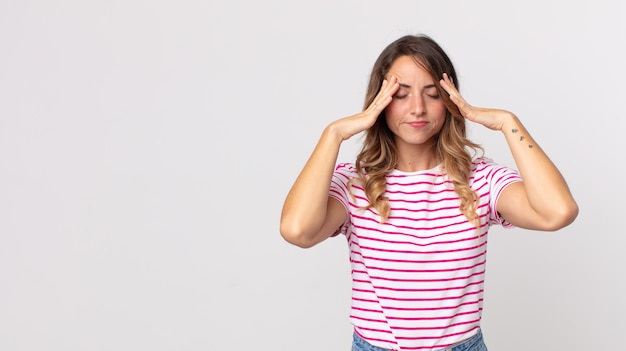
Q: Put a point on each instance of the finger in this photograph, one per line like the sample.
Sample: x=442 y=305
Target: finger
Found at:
x=376 y=100
x=384 y=96
x=388 y=88
x=448 y=85
x=448 y=79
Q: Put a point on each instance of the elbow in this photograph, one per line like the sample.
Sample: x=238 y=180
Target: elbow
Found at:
x=564 y=217
x=295 y=235
x=570 y=214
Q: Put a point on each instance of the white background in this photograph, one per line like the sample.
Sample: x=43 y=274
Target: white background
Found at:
x=146 y=148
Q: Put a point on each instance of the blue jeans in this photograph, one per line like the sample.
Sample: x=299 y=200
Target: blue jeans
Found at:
x=475 y=343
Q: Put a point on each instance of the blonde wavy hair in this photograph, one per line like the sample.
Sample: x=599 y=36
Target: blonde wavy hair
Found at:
x=378 y=155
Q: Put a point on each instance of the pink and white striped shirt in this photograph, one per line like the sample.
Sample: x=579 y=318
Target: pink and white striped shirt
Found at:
x=417 y=279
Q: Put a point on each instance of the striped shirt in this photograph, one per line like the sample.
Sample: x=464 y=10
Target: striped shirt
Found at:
x=417 y=279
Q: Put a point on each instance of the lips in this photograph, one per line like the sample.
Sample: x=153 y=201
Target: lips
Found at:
x=417 y=124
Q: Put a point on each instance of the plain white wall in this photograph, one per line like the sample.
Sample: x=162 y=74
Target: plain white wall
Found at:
x=146 y=148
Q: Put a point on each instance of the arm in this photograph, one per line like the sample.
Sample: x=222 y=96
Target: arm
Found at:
x=543 y=200
x=309 y=215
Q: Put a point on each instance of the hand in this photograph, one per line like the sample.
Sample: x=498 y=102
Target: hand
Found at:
x=491 y=118
x=349 y=126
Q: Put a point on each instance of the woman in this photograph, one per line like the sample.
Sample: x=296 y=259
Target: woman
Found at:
x=417 y=204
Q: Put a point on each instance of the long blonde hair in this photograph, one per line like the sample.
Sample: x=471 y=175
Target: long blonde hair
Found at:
x=378 y=155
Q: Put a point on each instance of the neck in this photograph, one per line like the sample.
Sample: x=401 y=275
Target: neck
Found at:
x=417 y=159
x=417 y=165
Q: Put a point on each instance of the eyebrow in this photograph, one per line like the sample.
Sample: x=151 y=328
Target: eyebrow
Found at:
x=404 y=85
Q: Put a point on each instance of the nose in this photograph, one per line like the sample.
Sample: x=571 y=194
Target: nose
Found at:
x=418 y=106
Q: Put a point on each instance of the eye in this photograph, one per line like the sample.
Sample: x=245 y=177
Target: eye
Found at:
x=432 y=93
x=400 y=96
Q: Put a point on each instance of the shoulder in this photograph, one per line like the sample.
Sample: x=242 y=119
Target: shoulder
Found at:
x=487 y=165
x=344 y=174
x=486 y=169
x=346 y=168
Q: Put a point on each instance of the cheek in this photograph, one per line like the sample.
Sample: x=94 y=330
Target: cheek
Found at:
x=439 y=109
x=394 y=108
x=439 y=114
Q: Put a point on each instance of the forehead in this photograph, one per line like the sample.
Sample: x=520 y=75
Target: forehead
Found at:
x=409 y=70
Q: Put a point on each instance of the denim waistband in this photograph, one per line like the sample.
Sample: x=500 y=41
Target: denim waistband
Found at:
x=474 y=343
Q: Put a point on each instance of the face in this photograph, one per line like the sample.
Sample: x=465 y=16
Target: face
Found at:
x=416 y=112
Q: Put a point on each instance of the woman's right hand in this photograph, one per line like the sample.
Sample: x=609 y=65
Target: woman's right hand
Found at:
x=352 y=125
x=309 y=216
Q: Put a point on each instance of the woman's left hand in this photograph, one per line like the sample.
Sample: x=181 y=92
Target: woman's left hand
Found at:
x=491 y=118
